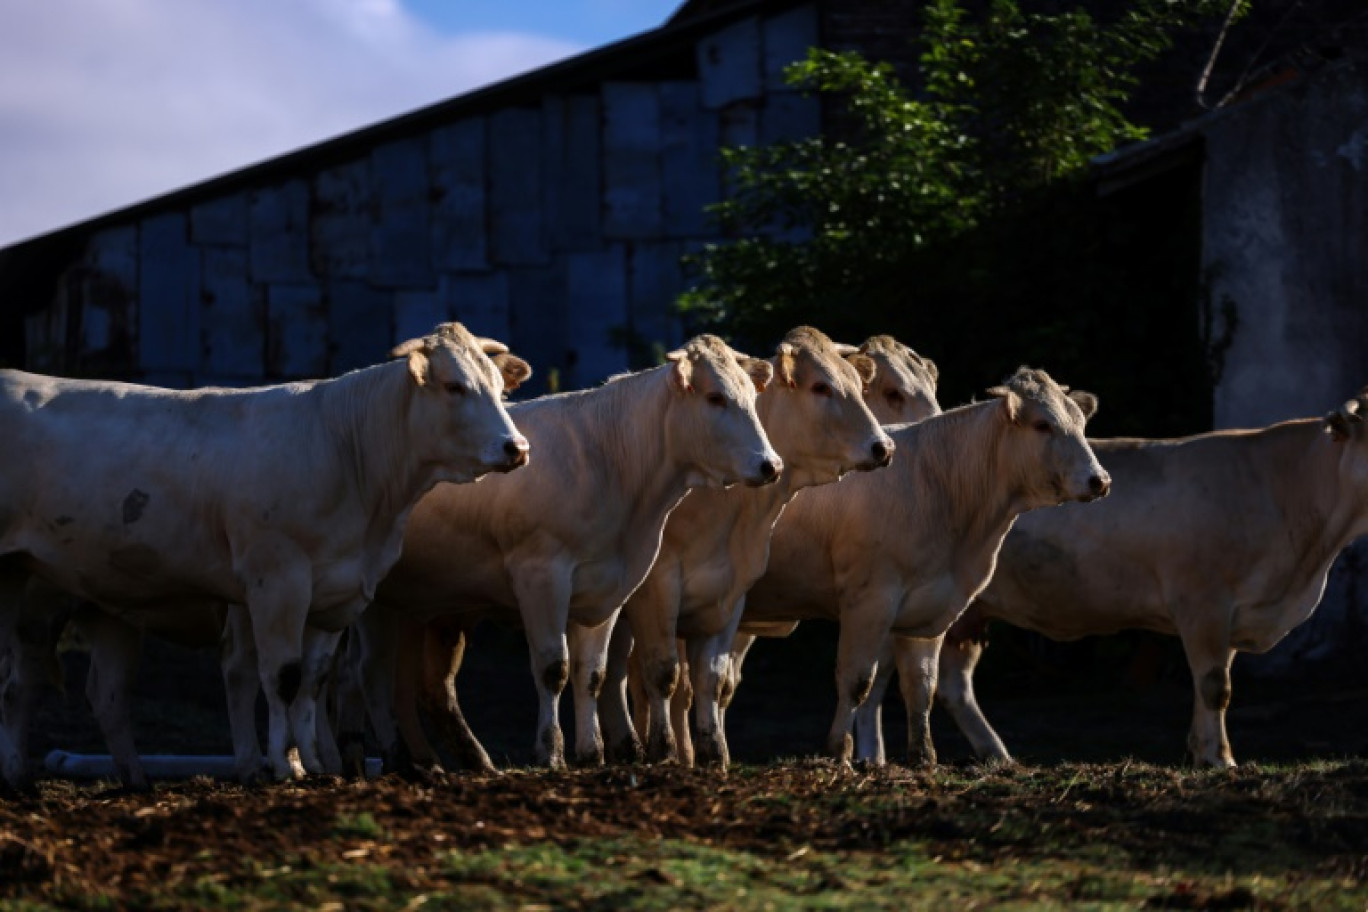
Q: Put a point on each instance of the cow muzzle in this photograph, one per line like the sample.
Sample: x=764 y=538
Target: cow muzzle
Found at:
x=767 y=472
x=517 y=452
x=1099 y=486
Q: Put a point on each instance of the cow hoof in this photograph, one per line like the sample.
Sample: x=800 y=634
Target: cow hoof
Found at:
x=627 y=751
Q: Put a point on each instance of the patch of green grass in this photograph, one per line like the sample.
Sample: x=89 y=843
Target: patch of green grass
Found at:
x=357 y=826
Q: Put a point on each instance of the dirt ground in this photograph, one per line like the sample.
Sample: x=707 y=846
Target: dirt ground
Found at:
x=1100 y=725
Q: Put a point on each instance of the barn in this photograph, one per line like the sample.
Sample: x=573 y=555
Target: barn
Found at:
x=550 y=210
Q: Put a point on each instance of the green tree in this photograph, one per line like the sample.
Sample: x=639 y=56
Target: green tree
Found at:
x=1010 y=103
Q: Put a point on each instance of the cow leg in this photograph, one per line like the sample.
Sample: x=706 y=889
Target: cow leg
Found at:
x=115 y=646
x=955 y=691
x=710 y=666
x=444 y=644
x=741 y=644
x=376 y=665
x=279 y=588
x=588 y=669
x=653 y=614
x=917 y=659
x=320 y=651
x=350 y=704
x=241 y=682
x=636 y=689
x=863 y=632
x=1209 y=657
x=31 y=619
x=543 y=593
x=680 y=704
x=869 y=740
x=618 y=732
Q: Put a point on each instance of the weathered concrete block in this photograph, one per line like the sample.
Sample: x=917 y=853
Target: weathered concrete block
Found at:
x=221 y=221
x=787 y=38
x=631 y=160
x=416 y=313
x=168 y=300
x=691 y=168
x=729 y=64
x=655 y=279
x=517 y=231
x=480 y=301
x=599 y=323
x=360 y=329
x=297 y=332
x=278 y=221
x=233 y=318
x=339 y=241
x=401 y=239
x=539 y=323
x=573 y=163
x=456 y=168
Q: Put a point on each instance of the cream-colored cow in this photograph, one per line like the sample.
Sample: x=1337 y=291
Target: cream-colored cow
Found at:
x=716 y=543
x=905 y=550
x=1223 y=539
x=158 y=505
x=576 y=532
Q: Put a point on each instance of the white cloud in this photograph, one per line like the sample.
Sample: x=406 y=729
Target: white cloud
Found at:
x=104 y=103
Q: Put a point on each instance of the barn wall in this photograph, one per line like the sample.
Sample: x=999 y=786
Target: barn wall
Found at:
x=1286 y=207
x=556 y=225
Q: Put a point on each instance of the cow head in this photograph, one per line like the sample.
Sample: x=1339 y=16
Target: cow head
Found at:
x=904 y=385
x=815 y=412
x=1044 y=425
x=713 y=426
x=1346 y=422
x=457 y=411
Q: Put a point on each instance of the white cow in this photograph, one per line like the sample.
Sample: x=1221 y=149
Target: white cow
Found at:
x=716 y=543
x=291 y=500
x=906 y=549
x=1224 y=539
x=715 y=557
x=570 y=538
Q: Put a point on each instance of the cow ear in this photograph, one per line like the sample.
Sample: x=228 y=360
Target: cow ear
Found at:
x=864 y=366
x=405 y=348
x=761 y=372
x=680 y=370
x=1011 y=402
x=785 y=364
x=1087 y=402
x=491 y=346
x=418 y=365
x=514 y=369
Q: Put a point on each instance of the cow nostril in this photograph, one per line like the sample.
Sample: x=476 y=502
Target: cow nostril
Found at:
x=515 y=448
x=1098 y=484
x=882 y=451
x=768 y=469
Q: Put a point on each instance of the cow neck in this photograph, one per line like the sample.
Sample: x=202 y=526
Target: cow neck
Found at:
x=793 y=478
x=1316 y=507
x=628 y=410
x=367 y=414
x=956 y=469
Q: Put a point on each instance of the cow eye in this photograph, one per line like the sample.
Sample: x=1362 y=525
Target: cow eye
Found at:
x=821 y=389
x=455 y=389
x=717 y=399
x=1043 y=426
x=893 y=396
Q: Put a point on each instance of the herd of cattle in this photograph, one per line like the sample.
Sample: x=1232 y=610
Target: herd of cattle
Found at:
x=331 y=538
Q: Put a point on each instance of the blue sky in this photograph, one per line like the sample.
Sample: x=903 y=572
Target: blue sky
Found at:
x=104 y=103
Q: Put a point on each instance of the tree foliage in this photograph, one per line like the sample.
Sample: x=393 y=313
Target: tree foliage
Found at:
x=912 y=198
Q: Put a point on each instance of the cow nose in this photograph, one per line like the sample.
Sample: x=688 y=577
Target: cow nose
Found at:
x=1099 y=485
x=769 y=470
x=882 y=451
x=516 y=449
